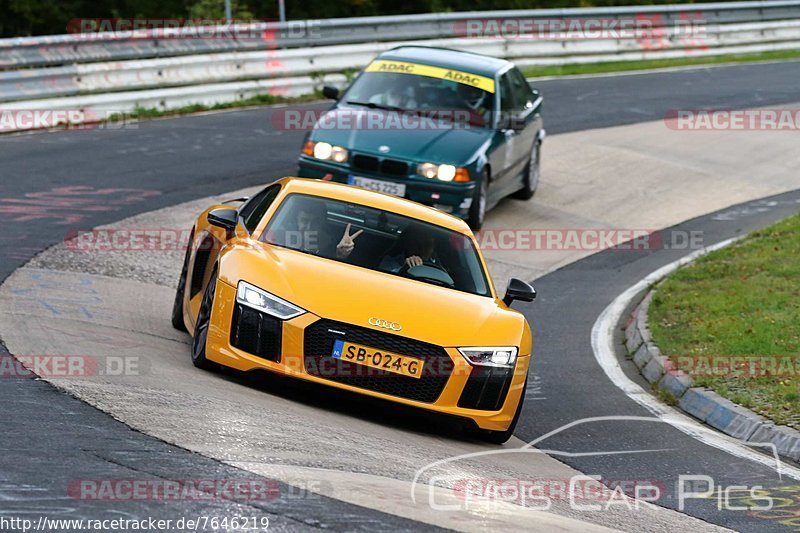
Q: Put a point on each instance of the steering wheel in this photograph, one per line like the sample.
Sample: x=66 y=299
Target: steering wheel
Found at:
x=428 y=271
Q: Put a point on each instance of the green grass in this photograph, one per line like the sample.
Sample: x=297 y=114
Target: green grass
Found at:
x=739 y=305
x=623 y=66
x=141 y=113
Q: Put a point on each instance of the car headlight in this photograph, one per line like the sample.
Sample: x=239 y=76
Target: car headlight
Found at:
x=446 y=172
x=261 y=300
x=427 y=170
x=326 y=151
x=442 y=172
x=504 y=356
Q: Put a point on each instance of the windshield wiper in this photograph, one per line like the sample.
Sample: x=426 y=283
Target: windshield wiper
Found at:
x=373 y=105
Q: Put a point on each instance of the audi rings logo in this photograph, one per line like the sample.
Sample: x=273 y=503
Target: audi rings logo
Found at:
x=385 y=324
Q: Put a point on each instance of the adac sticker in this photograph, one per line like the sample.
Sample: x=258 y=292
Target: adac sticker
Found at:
x=402 y=67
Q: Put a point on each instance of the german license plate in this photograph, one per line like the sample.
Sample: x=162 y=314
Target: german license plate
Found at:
x=374 y=358
x=389 y=187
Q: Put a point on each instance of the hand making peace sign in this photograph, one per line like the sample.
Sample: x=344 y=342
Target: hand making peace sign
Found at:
x=346 y=245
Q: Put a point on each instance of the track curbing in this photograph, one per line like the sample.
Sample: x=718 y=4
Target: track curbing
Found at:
x=705 y=405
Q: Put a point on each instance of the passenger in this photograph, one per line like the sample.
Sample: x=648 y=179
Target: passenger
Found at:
x=314 y=235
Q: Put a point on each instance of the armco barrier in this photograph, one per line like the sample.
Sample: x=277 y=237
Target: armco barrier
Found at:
x=82 y=48
x=157 y=68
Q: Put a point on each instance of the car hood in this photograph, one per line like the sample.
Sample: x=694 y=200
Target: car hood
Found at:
x=439 y=142
x=346 y=293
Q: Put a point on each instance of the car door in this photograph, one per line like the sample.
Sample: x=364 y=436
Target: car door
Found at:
x=209 y=243
x=515 y=116
x=528 y=121
x=503 y=142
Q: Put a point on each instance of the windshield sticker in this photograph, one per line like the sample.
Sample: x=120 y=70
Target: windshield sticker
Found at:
x=401 y=67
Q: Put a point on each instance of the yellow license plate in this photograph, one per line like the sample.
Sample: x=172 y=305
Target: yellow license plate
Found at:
x=375 y=358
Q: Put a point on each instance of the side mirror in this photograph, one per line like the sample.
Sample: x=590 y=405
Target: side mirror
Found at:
x=330 y=92
x=518 y=290
x=224 y=218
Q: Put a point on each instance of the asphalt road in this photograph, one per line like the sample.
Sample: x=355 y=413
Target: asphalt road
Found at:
x=571 y=386
x=55 y=183
x=574 y=104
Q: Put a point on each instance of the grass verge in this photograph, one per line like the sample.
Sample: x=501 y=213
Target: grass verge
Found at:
x=732 y=321
x=624 y=66
x=143 y=113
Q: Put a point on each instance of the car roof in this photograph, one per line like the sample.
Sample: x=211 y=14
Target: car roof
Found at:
x=447 y=58
x=386 y=202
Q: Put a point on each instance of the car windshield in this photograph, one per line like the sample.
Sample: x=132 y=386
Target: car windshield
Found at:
x=458 y=102
x=378 y=240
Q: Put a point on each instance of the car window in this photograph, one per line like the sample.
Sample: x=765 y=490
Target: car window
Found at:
x=523 y=96
x=430 y=96
x=253 y=211
x=382 y=241
x=506 y=98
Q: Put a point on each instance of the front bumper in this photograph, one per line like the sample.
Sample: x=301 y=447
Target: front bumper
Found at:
x=454 y=198
x=301 y=348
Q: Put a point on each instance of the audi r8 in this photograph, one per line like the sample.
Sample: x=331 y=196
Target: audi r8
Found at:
x=358 y=290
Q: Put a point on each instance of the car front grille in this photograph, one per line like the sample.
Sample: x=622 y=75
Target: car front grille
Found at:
x=366 y=162
x=256 y=333
x=392 y=167
x=387 y=167
x=318 y=347
x=486 y=388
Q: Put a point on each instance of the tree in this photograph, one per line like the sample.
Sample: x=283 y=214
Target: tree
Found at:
x=215 y=10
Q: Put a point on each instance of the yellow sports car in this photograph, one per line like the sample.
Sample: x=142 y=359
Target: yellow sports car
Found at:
x=357 y=290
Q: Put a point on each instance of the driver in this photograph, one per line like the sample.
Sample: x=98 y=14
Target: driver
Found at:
x=395 y=97
x=416 y=248
x=393 y=91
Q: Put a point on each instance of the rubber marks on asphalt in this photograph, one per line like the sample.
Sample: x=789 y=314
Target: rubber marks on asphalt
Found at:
x=70 y=204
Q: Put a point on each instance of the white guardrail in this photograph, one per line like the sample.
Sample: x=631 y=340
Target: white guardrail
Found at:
x=95 y=75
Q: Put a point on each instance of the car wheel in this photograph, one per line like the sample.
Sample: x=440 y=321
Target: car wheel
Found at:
x=201 y=327
x=530 y=178
x=177 y=305
x=477 y=211
x=501 y=437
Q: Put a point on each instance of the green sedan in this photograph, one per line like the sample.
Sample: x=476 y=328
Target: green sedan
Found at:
x=455 y=130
